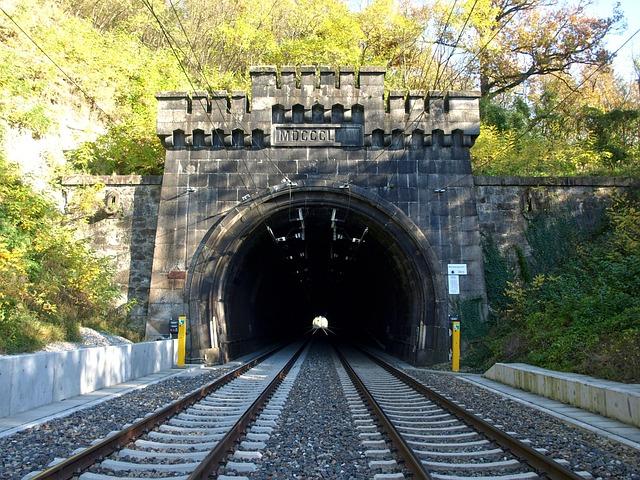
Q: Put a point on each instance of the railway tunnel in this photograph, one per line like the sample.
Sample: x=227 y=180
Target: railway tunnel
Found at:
x=317 y=194
x=266 y=270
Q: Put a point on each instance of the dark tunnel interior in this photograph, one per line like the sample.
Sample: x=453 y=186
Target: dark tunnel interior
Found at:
x=320 y=260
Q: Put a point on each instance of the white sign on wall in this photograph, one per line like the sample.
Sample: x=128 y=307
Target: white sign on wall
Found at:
x=454 y=270
x=454 y=284
x=457 y=269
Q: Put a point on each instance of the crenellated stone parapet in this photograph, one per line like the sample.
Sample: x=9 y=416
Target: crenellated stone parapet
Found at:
x=331 y=138
x=317 y=107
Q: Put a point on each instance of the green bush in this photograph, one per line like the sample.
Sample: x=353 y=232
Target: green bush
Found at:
x=580 y=311
x=50 y=282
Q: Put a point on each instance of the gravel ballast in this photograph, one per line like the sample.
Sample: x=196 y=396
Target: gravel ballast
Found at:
x=34 y=448
x=316 y=437
x=88 y=338
x=586 y=451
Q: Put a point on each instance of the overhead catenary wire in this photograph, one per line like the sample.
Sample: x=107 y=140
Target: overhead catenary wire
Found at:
x=464 y=26
x=170 y=41
x=200 y=71
x=423 y=72
x=451 y=82
x=285 y=177
x=455 y=46
x=204 y=107
x=89 y=97
x=460 y=34
x=423 y=76
x=479 y=52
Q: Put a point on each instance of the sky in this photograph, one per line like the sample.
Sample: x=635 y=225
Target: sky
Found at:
x=623 y=63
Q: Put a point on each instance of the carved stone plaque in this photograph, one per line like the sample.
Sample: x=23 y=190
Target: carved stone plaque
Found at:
x=316 y=135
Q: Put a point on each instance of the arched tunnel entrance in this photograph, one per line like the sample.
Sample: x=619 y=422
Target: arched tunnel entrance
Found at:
x=265 y=270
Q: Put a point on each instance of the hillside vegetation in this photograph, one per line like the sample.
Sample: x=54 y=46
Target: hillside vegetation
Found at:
x=50 y=282
x=551 y=105
x=573 y=304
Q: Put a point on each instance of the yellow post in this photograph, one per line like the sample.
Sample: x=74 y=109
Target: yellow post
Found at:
x=455 y=345
x=182 y=339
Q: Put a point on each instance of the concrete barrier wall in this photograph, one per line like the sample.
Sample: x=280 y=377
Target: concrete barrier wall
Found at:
x=611 y=399
x=32 y=380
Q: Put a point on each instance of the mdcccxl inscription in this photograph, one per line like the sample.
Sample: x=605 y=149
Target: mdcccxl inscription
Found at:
x=319 y=135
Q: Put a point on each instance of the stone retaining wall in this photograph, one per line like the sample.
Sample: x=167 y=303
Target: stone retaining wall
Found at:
x=505 y=204
x=124 y=229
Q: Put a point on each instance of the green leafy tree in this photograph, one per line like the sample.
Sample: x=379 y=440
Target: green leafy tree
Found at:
x=50 y=282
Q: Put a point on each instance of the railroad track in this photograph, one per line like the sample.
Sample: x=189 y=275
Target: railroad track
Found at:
x=438 y=438
x=189 y=438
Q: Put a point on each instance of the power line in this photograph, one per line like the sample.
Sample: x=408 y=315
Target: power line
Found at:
x=577 y=88
x=173 y=50
x=67 y=76
x=168 y=38
x=482 y=49
x=464 y=26
x=453 y=49
x=439 y=40
x=423 y=76
x=200 y=70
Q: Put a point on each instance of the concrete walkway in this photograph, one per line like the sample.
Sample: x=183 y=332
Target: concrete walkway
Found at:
x=613 y=429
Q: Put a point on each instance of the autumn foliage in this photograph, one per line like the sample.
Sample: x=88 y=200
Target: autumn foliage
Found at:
x=551 y=105
x=50 y=281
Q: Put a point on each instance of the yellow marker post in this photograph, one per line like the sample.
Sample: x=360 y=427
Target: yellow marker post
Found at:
x=182 y=339
x=455 y=345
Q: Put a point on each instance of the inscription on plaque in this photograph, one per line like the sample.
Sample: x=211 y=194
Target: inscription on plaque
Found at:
x=321 y=135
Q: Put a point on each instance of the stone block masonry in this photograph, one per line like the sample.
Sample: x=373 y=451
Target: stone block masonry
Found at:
x=505 y=204
x=337 y=109
x=315 y=133
x=309 y=127
x=124 y=228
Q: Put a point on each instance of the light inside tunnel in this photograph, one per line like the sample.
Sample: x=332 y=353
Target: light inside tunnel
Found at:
x=307 y=259
x=320 y=323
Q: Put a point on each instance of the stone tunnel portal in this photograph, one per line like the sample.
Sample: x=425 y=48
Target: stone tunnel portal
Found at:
x=255 y=236
x=266 y=270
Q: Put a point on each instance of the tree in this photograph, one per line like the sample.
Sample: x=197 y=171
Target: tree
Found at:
x=530 y=39
x=505 y=43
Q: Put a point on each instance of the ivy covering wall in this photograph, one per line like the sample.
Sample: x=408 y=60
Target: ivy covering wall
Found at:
x=571 y=305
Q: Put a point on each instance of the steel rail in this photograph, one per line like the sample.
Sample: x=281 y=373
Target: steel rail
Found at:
x=76 y=464
x=226 y=444
x=412 y=462
x=536 y=460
